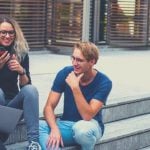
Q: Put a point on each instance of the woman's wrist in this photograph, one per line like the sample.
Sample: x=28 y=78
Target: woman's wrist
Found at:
x=23 y=72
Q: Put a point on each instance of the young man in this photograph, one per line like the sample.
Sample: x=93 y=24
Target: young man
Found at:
x=85 y=92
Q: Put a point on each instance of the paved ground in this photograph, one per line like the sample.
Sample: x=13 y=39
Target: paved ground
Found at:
x=127 y=68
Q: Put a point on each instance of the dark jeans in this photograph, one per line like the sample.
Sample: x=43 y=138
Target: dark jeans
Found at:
x=3 y=138
x=27 y=100
x=2 y=147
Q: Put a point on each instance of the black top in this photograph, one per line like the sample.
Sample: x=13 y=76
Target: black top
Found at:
x=9 y=79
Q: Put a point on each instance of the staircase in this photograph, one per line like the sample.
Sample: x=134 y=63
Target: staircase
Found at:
x=127 y=127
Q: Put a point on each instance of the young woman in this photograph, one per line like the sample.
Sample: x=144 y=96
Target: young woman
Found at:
x=15 y=83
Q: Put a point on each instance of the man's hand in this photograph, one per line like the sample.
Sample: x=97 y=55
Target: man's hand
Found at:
x=73 y=80
x=55 y=139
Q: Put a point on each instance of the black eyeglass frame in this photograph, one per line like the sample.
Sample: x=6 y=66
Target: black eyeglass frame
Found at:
x=11 y=33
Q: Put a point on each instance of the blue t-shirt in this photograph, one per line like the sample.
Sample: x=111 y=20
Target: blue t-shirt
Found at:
x=98 y=89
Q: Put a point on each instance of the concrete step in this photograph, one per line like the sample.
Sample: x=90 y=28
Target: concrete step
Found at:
x=127 y=134
x=146 y=148
x=118 y=110
x=17 y=146
x=125 y=108
x=19 y=134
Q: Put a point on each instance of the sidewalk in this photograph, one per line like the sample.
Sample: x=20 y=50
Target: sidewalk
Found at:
x=128 y=69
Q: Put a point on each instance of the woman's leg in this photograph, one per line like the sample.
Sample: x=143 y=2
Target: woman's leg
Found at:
x=3 y=136
x=87 y=133
x=2 y=147
x=27 y=99
x=65 y=129
x=2 y=97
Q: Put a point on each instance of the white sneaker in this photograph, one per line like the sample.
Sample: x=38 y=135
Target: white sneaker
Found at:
x=34 y=146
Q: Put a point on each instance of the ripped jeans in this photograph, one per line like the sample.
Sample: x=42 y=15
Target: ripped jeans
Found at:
x=83 y=133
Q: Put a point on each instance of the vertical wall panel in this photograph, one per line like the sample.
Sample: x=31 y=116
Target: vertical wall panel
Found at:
x=127 y=22
x=65 y=21
x=31 y=15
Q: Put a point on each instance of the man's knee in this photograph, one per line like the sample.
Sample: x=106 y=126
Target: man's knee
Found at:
x=85 y=132
x=80 y=130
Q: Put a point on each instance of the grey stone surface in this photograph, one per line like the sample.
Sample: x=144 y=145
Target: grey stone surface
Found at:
x=126 y=109
x=128 y=69
x=128 y=134
x=17 y=146
x=19 y=134
x=146 y=148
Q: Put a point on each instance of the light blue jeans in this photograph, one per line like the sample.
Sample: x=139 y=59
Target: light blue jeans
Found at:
x=27 y=100
x=83 y=133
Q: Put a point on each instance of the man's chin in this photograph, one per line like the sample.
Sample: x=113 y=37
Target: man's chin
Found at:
x=77 y=73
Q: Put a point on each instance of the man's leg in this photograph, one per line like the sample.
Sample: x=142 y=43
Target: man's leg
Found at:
x=65 y=129
x=87 y=133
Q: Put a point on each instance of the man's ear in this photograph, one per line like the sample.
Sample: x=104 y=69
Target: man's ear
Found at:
x=92 y=61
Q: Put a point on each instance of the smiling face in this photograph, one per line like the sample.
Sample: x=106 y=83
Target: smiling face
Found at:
x=80 y=64
x=7 y=34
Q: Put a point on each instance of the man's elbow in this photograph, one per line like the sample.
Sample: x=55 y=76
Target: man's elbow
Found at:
x=87 y=117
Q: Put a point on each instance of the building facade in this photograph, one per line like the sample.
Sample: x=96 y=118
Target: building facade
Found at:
x=47 y=23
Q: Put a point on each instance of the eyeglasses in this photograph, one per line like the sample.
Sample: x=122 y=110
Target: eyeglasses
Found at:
x=4 y=33
x=78 y=60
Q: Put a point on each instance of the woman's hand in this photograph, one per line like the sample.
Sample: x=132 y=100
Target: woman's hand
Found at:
x=4 y=58
x=14 y=64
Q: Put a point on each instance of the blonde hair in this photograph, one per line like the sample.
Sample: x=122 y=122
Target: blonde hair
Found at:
x=20 y=44
x=89 y=50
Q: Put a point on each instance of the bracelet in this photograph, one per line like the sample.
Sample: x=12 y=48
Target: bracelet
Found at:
x=23 y=73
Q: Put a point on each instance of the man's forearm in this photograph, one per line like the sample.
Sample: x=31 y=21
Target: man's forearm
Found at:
x=50 y=117
x=83 y=107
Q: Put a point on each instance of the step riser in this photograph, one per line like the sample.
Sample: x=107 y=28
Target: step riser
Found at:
x=133 y=142
x=111 y=113
x=126 y=110
x=18 y=146
x=19 y=135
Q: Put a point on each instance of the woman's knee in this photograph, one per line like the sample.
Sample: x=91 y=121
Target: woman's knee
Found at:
x=30 y=91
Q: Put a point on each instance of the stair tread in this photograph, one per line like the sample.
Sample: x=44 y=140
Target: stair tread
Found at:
x=146 y=148
x=125 y=127
x=17 y=146
x=113 y=130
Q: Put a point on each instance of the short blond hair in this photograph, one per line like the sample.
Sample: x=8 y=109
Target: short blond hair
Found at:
x=89 y=50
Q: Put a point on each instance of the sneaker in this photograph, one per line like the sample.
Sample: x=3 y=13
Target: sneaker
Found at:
x=34 y=146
